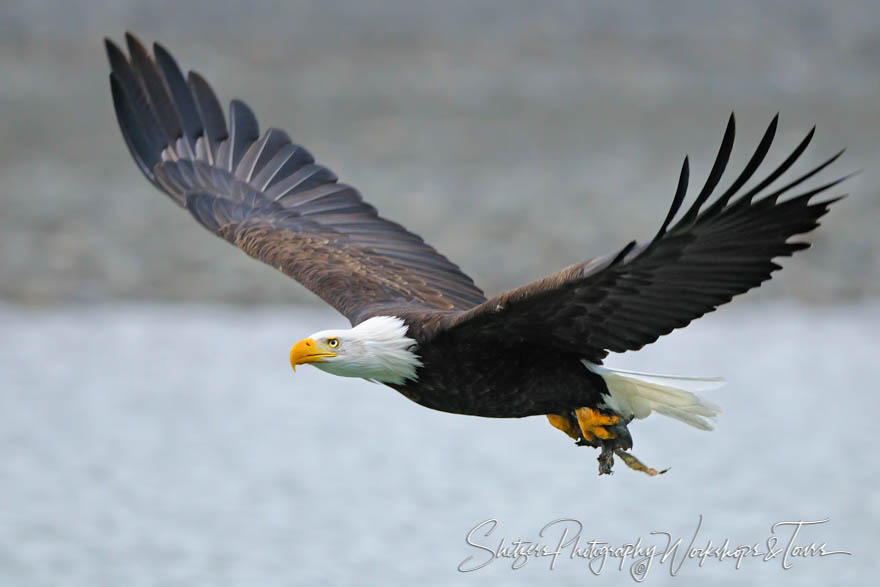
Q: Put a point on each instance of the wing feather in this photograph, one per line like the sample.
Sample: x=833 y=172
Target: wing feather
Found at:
x=148 y=74
x=268 y=197
x=181 y=96
x=211 y=114
x=145 y=147
x=626 y=300
x=243 y=130
x=303 y=179
x=260 y=152
x=289 y=159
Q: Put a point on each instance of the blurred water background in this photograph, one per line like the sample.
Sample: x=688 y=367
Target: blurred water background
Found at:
x=158 y=445
x=151 y=431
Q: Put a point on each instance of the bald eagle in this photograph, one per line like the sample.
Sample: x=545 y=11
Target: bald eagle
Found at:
x=419 y=324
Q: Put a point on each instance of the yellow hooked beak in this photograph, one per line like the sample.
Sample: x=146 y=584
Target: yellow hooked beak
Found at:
x=306 y=351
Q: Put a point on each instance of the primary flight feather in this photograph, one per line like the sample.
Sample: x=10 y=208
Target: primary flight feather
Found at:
x=419 y=324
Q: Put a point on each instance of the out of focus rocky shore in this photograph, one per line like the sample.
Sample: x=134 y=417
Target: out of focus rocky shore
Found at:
x=517 y=138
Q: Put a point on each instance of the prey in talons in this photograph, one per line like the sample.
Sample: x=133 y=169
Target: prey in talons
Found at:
x=589 y=427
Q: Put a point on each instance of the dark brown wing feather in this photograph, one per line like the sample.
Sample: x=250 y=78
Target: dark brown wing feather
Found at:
x=626 y=300
x=268 y=197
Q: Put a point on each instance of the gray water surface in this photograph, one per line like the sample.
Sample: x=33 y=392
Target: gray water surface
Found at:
x=156 y=445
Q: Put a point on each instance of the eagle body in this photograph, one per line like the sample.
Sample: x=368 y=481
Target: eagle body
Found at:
x=419 y=324
x=497 y=381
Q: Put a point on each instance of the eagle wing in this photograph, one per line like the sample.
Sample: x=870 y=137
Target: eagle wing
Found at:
x=628 y=299
x=268 y=197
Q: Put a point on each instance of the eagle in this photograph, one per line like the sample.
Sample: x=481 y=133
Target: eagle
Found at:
x=421 y=326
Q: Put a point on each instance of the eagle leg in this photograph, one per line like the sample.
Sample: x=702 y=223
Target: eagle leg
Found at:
x=567 y=423
x=605 y=431
x=608 y=432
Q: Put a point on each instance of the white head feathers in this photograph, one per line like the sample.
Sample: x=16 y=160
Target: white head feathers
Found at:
x=377 y=349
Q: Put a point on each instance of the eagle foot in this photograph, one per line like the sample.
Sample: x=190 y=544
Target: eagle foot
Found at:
x=608 y=432
x=588 y=427
x=598 y=429
x=567 y=423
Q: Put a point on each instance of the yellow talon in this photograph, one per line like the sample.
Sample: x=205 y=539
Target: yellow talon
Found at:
x=564 y=423
x=593 y=423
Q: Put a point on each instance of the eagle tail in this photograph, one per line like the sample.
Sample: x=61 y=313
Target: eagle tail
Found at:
x=637 y=395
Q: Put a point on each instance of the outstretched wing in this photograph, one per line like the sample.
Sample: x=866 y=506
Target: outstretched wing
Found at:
x=626 y=300
x=267 y=195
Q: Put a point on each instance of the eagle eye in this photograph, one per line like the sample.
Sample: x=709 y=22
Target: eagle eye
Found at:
x=332 y=342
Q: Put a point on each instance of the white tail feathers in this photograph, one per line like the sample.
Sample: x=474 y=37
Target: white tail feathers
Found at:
x=636 y=395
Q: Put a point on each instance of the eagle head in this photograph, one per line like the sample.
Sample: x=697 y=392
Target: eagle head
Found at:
x=377 y=349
